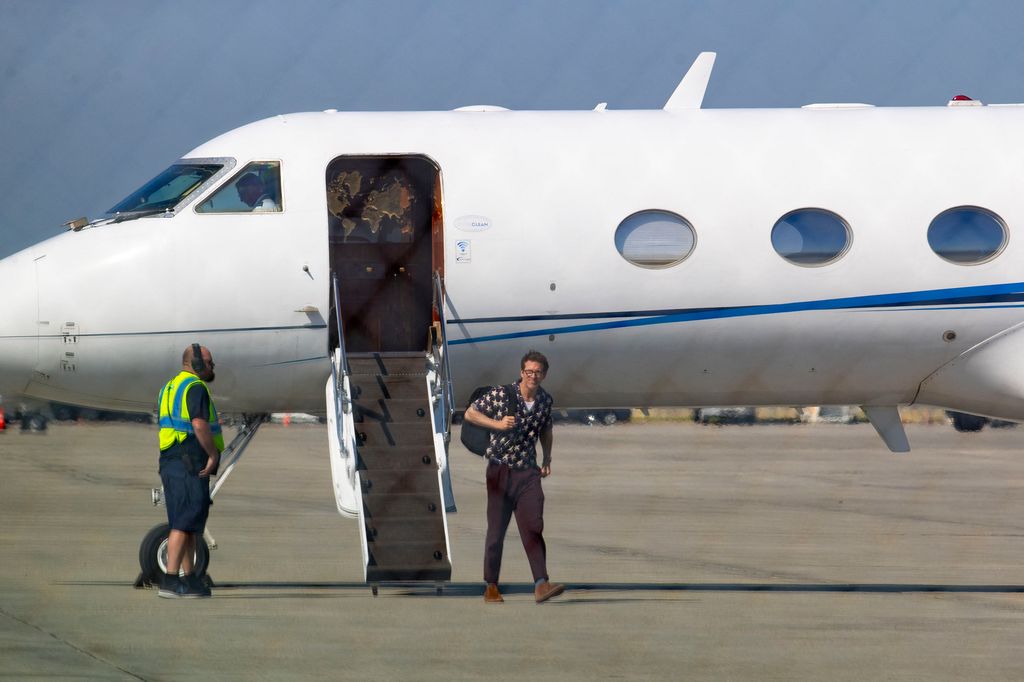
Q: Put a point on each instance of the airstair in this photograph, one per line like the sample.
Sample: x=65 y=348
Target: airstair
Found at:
x=389 y=418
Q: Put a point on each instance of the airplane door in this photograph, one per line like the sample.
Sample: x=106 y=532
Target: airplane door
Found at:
x=384 y=217
x=44 y=303
x=52 y=357
x=56 y=370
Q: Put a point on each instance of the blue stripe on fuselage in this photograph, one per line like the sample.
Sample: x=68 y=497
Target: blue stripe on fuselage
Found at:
x=934 y=299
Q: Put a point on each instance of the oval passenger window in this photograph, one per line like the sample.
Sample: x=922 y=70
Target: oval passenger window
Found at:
x=655 y=239
x=967 y=235
x=811 y=236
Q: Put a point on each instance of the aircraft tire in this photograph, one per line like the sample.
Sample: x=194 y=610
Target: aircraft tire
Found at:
x=153 y=554
x=33 y=422
x=64 y=413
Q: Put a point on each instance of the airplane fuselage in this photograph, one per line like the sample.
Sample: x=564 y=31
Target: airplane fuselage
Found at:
x=530 y=203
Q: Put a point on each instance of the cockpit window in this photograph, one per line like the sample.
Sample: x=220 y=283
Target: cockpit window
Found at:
x=173 y=186
x=254 y=189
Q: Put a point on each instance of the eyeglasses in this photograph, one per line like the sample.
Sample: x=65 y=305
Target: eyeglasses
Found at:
x=533 y=372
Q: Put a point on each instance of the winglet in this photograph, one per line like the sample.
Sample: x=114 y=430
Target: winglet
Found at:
x=690 y=92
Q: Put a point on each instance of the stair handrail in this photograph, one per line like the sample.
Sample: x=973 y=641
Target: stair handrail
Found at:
x=448 y=406
x=341 y=334
x=339 y=375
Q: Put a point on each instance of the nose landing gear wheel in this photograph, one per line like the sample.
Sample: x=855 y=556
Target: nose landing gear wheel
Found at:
x=153 y=556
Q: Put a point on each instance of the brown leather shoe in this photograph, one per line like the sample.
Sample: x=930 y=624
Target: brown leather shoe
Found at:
x=546 y=590
x=491 y=594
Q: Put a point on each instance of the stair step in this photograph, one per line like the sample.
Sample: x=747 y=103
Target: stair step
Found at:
x=397 y=457
x=409 y=555
x=387 y=364
x=400 y=482
x=373 y=387
x=382 y=434
x=405 y=529
x=397 y=410
x=419 y=505
x=438 y=571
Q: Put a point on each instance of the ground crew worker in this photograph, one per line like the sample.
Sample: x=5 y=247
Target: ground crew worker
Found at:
x=190 y=447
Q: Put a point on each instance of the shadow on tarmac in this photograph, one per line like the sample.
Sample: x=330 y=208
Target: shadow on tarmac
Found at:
x=477 y=589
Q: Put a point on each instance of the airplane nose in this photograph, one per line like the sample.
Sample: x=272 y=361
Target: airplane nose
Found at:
x=18 y=323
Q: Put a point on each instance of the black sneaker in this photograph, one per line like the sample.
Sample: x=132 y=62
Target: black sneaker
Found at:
x=195 y=586
x=171 y=587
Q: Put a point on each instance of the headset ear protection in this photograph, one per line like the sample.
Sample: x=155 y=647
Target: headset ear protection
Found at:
x=198 y=364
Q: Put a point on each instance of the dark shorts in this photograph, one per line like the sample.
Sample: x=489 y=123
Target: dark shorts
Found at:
x=186 y=495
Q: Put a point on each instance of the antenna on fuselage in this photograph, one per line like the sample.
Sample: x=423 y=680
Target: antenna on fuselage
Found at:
x=690 y=92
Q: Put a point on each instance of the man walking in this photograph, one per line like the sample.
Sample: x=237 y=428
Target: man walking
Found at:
x=190 y=447
x=518 y=415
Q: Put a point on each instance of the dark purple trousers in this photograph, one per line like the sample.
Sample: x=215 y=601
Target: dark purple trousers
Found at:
x=520 y=492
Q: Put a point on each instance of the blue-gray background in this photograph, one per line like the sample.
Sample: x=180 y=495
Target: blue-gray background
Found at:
x=96 y=96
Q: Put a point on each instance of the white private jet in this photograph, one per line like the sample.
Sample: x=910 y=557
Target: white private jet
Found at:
x=832 y=254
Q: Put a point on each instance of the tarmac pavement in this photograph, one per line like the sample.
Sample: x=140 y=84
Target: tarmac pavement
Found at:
x=743 y=553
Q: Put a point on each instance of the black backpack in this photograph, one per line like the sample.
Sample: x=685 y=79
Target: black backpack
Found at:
x=477 y=438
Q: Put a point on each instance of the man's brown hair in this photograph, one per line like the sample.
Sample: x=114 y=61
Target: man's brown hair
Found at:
x=534 y=356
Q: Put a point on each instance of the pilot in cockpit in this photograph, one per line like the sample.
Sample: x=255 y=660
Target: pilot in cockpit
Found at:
x=251 y=192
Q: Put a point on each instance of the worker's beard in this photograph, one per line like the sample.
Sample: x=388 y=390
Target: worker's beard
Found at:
x=210 y=376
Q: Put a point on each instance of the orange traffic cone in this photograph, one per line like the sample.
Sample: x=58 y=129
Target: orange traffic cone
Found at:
x=3 y=424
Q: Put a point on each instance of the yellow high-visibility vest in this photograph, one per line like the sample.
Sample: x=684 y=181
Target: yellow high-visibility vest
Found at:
x=175 y=422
